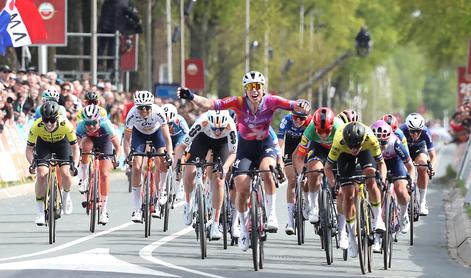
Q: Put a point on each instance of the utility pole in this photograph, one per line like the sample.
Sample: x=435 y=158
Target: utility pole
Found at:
x=247 y=35
x=169 y=41
x=149 y=46
x=94 y=43
x=182 y=43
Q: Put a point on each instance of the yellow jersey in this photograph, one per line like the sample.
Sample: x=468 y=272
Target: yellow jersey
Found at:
x=103 y=113
x=63 y=129
x=370 y=143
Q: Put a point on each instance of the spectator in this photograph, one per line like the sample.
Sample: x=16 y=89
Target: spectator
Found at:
x=5 y=72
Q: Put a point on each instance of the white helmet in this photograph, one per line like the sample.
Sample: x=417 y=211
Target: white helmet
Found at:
x=50 y=94
x=218 y=118
x=143 y=98
x=415 y=121
x=91 y=112
x=253 y=77
x=170 y=112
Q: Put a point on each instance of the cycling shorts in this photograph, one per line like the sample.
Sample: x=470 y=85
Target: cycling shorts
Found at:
x=202 y=144
x=138 y=140
x=416 y=149
x=317 y=152
x=61 y=149
x=103 y=144
x=291 y=144
x=347 y=164
x=251 y=152
x=396 y=166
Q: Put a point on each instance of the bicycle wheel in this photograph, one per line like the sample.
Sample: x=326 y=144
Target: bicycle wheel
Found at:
x=223 y=220
x=146 y=206
x=327 y=227
x=51 y=209
x=360 y=234
x=254 y=233
x=386 y=235
x=412 y=213
x=201 y=226
x=166 y=207
x=94 y=201
x=393 y=223
x=369 y=236
x=298 y=215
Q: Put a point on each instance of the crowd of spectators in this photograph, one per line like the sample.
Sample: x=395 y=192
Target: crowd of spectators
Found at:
x=20 y=96
x=460 y=123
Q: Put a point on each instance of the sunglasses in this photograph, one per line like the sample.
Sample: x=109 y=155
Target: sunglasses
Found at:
x=91 y=102
x=323 y=132
x=298 y=118
x=415 y=131
x=220 y=129
x=146 y=107
x=383 y=142
x=253 y=86
x=90 y=123
x=50 y=120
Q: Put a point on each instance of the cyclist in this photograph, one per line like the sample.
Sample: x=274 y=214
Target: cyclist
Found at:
x=314 y=147
x=93 y=131
x=51 y=94
x=421 y=149
x=255 y=148
x=52 y=134
x=92 y=97
x=348 y=116
x=396 y=156
x=289 y=135
x=356 y=142
x=216 y=131
x=146 y=122
x=393 y=122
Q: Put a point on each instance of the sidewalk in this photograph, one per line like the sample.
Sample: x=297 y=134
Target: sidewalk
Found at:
x=16 y=190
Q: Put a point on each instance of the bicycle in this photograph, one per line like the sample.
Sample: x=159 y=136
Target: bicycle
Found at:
x=53 y=201
x=93 y=204
x=171 y=195
x=202 y=200
x=363 y=226
x=148 y=202
x=227 y=208
x=257 y=214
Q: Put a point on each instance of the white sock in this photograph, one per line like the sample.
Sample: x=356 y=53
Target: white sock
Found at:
x=341 y=222
x=271 y=199
x=235 y=217
x=376 y=212
x=423 y=195
x=40 y=206
x=243 y=219
x=84 y=169
x=290 y=207
x=163 y=178
x=104 y=204
x=136 y=197
x=314 y=198
x=351 y=230
x=65 y=195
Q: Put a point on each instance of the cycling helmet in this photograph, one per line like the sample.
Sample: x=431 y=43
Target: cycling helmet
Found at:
x=253 y=77
x=49 y=110
x=170 y=112
x=323 y=119
x=91 y=96
x=415 y=121
x=50 y=94
x=382 y=130
x=218 y=118
x=391 y=120
x=143 y=98
x=348 y=116
x=354 y=134
x=91 y=112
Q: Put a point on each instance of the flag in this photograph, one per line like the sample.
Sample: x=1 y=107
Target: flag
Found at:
x=20 y=24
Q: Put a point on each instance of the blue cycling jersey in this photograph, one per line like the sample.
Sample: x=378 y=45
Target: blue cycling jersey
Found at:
x=289 y=129
x=178 y=127
x=425 y=136
x=106 y=128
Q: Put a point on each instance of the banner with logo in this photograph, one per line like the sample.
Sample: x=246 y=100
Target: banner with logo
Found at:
x=12 y=151
x=464 y=85
x=54 y=15
x=194 y=74
x=128 y=49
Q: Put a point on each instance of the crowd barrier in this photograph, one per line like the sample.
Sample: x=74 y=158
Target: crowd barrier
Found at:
x=13 y=163
x=464 y=173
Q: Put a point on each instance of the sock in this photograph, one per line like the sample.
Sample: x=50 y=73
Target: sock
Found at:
x=65 y=196
x=351 y=228
x=423 y=195
x=40 y=206
x=243 y=219
x=270 y=203
x=136 y=197
x=290 y=207
x=341 y=222
x=84 y=169
x=376 y=209
x=163 y=178
x=314 y=198
x=216 y=216
x=235 y=217
x=104 y=203
x=403 y=209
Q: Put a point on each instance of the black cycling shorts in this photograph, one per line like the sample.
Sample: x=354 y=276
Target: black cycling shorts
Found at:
x=203 y=143
x=416 y=149
x=317 y=152
x=251 y=152
x=291 y=143
x=61 y=149
x=347 y=164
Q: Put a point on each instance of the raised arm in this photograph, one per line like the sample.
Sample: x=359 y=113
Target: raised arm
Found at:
x=200 y=101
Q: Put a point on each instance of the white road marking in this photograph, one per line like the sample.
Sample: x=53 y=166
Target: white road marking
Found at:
x=146 y=253
x=96 y=260
x=68 y=244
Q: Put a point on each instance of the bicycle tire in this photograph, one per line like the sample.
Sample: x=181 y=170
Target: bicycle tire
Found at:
x=369 y=236
x=386 y=234
x=299 y=218
x=94 y=202
x=147 y=199
x=411 y=217
x=51 y=209
x=359 y=227
x=394 y=221
x=254 y=233
x=201 y=225
x=327 y=228
x=166 y=207
x=223 y=220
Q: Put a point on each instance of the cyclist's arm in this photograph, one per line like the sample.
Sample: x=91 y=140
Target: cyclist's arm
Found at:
x=127 y=141
x=116 y=145
x=29 y=153
x=75 y=153
x=433 y=157
x=232 y=145
x=281 y=134
x=300 y=154
x=382 y=169
x=329 y=173
x=167 y=138
x=410 y=168
x=203 y=102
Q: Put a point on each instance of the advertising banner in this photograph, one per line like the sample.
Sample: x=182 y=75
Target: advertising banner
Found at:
x=54 y=15
x=194 y=74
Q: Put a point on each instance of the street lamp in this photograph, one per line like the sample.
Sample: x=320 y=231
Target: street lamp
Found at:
x=363 y=42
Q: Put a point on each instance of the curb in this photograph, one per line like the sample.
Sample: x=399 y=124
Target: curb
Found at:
x=458 y=227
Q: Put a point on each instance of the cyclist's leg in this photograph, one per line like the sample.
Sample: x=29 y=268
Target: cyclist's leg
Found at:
x=368 y=166
x=86 y=145
x=42 y=152
x=314 y=182
x=159 y=144
x=422 y=177
x=290 y=197
x=138 y=143
x=103 y=144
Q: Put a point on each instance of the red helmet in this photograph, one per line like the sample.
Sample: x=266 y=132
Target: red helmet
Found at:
x=391 y=120
x=348 y=116
x=323 y=119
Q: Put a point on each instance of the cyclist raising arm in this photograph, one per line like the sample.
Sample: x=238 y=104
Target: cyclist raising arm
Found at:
x=255 y=149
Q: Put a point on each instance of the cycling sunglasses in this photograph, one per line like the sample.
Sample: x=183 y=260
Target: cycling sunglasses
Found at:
x=146 y=107
x=90 y=123
x=253 y=86
x=415 y=131
x=220 y=129
x=50 y=120
x=298 y=118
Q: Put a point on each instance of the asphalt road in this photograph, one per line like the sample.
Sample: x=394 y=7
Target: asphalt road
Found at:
x=120 y=249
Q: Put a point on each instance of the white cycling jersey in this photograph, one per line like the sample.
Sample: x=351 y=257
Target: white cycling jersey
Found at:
x=147 y=125
x=202 y=125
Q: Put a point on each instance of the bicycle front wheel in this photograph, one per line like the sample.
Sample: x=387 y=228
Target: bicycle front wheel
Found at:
x=51 y=218
x=147 y=207
x=201 y=224
x=299 y=218
x=387 y=234
x=94 y=201
x=361 y=234
x=327 y=227
x=166 y=207
x=254 y=233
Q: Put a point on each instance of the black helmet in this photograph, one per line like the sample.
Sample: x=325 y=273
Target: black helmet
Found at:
x=353 y=134
x=91 y=96
x=49 y=110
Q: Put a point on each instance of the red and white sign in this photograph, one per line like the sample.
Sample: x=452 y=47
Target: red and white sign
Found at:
x=464 y=84
x=54 y=15
x=128 y=59
x=194 y=74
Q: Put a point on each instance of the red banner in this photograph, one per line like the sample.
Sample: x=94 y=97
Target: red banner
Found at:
x=128 y=50
x=194 y=74
x=54 y=16
x=464 y=85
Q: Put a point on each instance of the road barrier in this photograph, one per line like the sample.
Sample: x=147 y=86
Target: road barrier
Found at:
x=464 y=173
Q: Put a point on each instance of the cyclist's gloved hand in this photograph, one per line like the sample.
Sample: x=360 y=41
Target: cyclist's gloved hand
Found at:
x=185 y=93
x=73 y=170
x=432 y=172
x=32 y=169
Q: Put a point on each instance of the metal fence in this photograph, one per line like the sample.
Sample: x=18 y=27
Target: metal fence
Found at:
x=464 y=173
